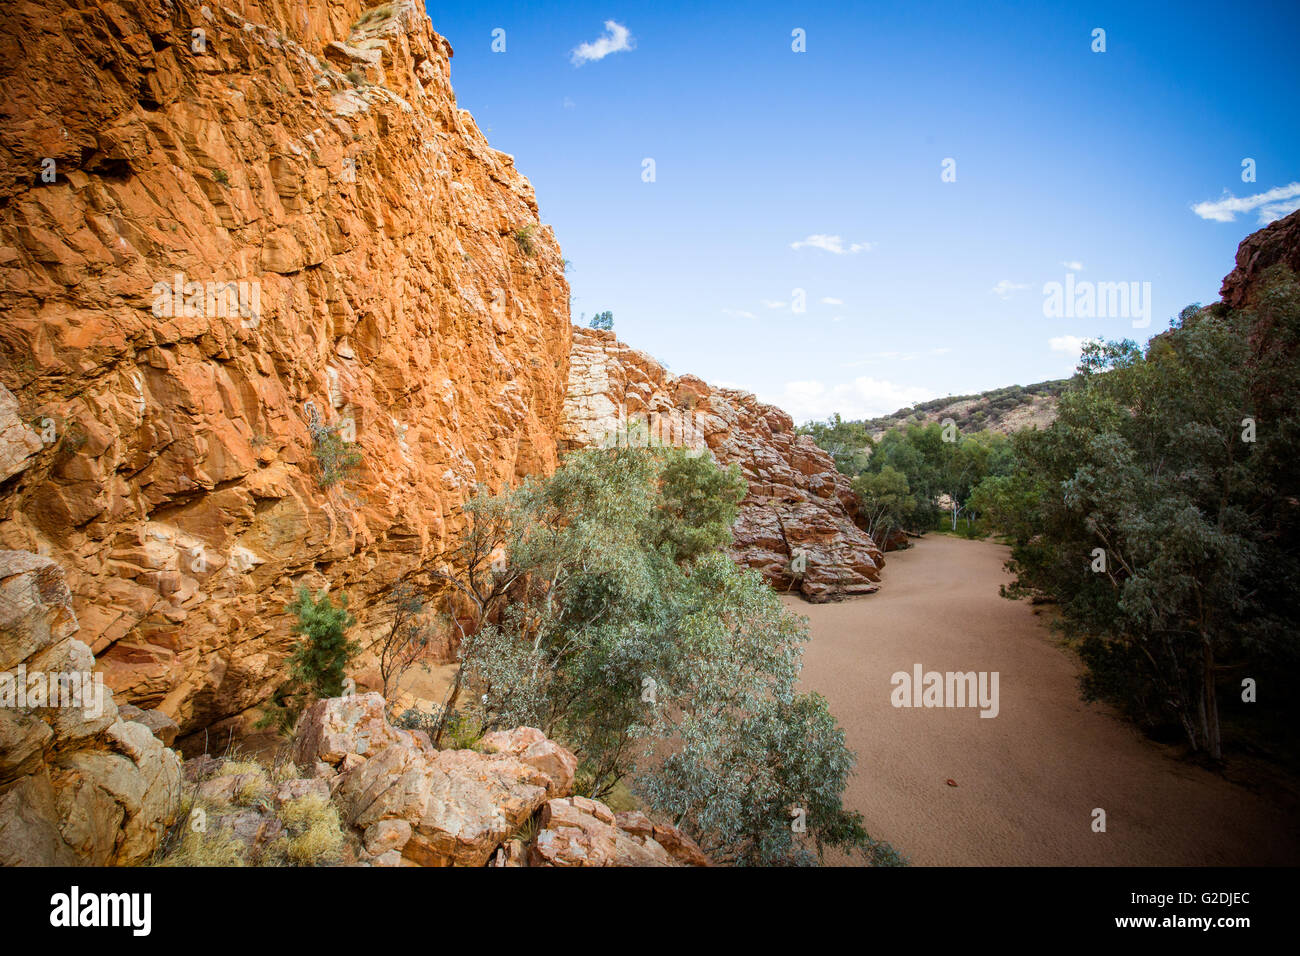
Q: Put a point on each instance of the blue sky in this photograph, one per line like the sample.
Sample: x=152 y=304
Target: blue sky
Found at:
x=1067 y=161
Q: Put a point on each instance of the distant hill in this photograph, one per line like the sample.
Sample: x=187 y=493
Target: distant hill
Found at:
x=1004 y=410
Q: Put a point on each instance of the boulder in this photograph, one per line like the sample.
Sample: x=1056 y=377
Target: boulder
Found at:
x=581 y=832
x=339 y=727
x=533 y=748
x=435 y=807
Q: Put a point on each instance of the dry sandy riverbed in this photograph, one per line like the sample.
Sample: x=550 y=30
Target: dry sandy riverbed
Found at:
x=1028 y=779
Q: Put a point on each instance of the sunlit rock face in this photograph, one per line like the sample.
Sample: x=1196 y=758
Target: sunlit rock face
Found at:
x=218 y=222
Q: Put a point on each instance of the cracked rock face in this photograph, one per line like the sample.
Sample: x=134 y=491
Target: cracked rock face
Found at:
x=79 y=784
x=797 y=525
x=224 y=219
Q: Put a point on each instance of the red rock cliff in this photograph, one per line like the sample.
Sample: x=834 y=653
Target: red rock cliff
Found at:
x=386 y=269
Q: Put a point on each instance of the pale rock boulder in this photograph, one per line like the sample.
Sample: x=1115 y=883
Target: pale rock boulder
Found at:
x=78 y=784
x=337 y=728
x=578 y=831
x=460 y=805
x=533 y=747
x=432 y=807
x=679 y=846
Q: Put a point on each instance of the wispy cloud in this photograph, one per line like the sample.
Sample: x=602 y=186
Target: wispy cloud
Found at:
x=1271 y=205
x=862 y=397
x=875 y=358
x=833 y=244
x=1006 y=287
x=1074 y=265
x=738 y=313
x=773 y=304
x=616 y=40
x=1069 y=344
x=829 y=300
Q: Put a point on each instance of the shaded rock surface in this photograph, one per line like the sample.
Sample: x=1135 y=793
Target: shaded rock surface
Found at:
x=798 y=523
x=79 y=785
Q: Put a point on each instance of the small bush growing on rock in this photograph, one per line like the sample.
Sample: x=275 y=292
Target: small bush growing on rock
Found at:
x=336 y=459
x=374 y=15
x=525 y=241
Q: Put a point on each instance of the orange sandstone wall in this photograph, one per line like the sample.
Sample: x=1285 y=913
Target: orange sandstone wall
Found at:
x=313 y=155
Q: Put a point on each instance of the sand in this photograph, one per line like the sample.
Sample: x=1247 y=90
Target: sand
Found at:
x=1029 y=779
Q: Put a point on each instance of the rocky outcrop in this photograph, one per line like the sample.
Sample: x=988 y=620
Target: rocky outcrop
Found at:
x=797 y=525
x=578 y=831
x=1278 y=242
x=411 y=805
x=79 y=785
x=226 y=221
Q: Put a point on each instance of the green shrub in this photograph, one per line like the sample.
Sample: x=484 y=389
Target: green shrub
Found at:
x=525 y=240
x=318 y=660
x=336 y=459
x=619 y=627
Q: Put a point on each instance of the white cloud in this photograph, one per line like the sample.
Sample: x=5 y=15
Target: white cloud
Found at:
x=569 y=104
x=828 y=300
x=1272 y=205
x=1069 y=344
x=1005 y=287
x=861 y=398
x=832 y=244
x=616 y=39
x=772 y=304
x=1074 y=265
x=1277 y=210
x=738 y=313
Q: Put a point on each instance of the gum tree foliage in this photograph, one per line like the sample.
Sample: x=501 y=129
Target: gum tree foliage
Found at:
x=885 y=502
x=934 y=467
x=848 y=443
x=620 y=628
x=602 y=320
x=1147 y=461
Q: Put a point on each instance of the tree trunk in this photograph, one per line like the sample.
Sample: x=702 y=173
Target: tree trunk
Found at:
x=1213 y=743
